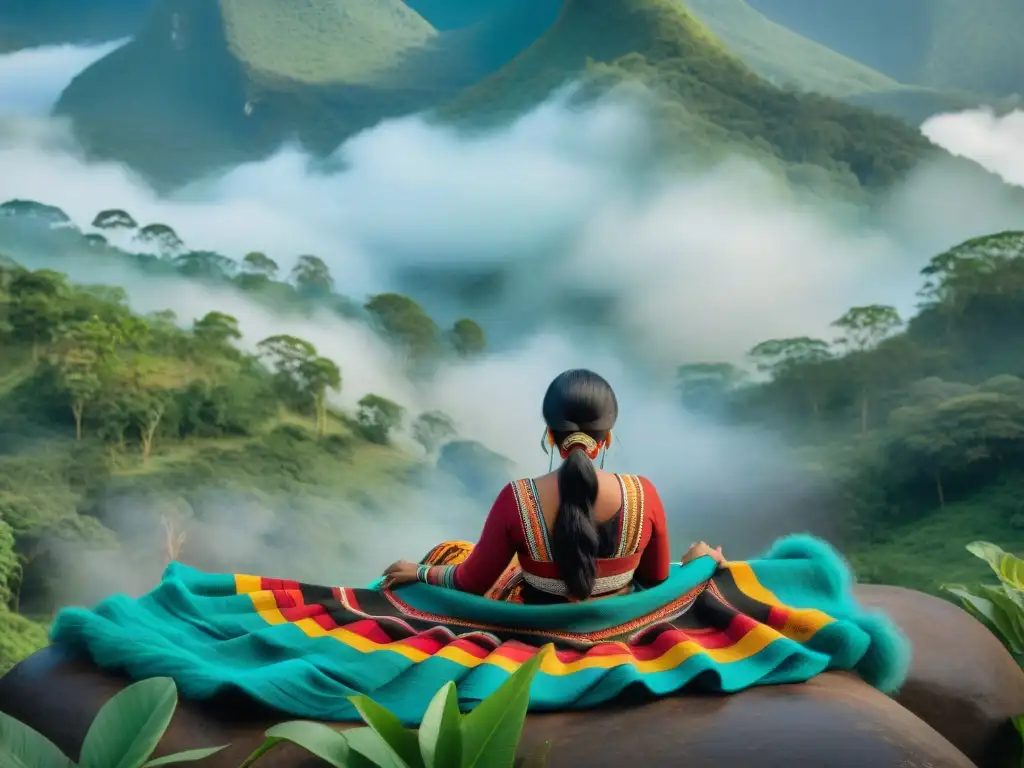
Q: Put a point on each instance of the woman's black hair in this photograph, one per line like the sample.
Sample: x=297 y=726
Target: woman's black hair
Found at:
x=578 y=401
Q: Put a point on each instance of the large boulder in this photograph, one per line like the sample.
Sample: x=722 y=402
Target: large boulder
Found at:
x=835 y=721
x=953 y=710
x=962 y=681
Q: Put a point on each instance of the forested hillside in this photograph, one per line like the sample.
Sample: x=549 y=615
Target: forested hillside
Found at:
x=128 y=440
x=919 y=420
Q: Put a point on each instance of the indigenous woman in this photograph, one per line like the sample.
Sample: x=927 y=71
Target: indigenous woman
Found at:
x=575 y=534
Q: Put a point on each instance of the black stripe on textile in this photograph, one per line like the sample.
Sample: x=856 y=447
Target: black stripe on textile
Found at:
x=740 y=600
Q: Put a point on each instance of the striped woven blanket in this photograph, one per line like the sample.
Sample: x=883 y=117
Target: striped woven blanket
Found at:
x=781 y=618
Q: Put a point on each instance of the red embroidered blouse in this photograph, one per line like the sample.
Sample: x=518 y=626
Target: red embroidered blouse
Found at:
x=515 y=526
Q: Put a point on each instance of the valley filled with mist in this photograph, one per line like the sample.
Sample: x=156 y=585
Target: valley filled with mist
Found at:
x=266 y=308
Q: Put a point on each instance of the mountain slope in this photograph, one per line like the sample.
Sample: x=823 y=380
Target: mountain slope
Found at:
x=322 y=41
x=781 y=55
x=971 y=45
x=710 y=97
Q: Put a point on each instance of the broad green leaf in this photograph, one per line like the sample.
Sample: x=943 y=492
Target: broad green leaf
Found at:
x=1009 y=568
x=439 y=735
x=399 y=739
x=490 y=733
x=130 y=725
x=1006 y=617
x=24 y=747
x=367 y=745
x=316 y=738
x=981 y=608
x=191 y=756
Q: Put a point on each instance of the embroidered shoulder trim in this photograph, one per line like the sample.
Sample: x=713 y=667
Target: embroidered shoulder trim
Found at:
x=534 y=527
x=632 y=515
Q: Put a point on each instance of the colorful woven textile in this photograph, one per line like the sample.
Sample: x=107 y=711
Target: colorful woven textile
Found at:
x=782 y=618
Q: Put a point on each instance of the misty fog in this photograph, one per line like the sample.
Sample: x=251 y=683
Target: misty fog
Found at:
x=693 y=267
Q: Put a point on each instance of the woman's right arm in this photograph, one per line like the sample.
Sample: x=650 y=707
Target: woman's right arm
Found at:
x=491 y=555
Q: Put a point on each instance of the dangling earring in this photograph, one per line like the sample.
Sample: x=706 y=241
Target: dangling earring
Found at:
x=607 y=445
x=547 y=443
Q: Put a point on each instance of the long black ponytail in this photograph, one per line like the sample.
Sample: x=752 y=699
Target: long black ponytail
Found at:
x=578 y=401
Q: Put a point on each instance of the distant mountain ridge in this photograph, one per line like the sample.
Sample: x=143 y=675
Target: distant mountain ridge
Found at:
x=212 y=84
x=971 y=45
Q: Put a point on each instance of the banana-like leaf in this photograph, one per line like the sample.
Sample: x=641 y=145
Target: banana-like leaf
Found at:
x=1009 y=568
x=367 y=745
x=490 y=733
x=130 y=725
x=24 y=747
x=1007 y=617
x=440 y=736
x=980 y=607
x=398 y=738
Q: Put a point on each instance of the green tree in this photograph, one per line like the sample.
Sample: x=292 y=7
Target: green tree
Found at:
x=953 y=433
x=205 y=265
x=83 y=356
x=216 y=330
x=312 y=276
x=288 y=356
x=405 y=324
x=864 y=328
x=704 y=387
x=431 y=429
x=147 y=406
x=467 y=338
x=319 y=375
x=378 y=417
x=797 y=362
x=161 y=237
x=260 y=264
x=114 y=218
x=36 y=307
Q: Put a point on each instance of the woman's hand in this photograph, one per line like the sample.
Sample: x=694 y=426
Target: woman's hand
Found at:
x=700 y=549
x=399 y=573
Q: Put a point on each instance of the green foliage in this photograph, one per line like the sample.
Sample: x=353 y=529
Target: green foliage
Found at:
x=431 y=429
x=999 y=607
x=322 y=42
x=487 y=736
x=406 y=325
x=312 y=277
x=467 y=338
x=125 y=733
x=378 y=417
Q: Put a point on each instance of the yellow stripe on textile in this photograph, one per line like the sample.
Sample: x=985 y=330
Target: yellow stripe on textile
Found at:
x=751 y=643
x=801 y=624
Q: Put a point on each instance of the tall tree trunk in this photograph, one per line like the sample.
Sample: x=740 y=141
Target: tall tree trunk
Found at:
x=148 y=433
x=77 y=409
x=864 y=411
x=939 y=489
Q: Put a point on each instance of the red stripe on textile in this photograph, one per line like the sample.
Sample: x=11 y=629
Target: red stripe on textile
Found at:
x=777 y=617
